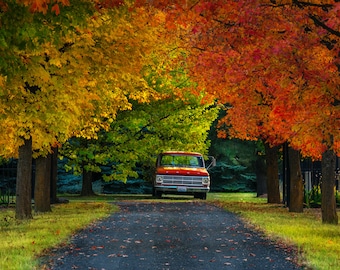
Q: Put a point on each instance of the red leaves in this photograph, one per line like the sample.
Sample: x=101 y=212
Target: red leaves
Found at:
x=97 y=247
x=266 y=63
x=56 y=9
x=43 y=5
x=39 y=6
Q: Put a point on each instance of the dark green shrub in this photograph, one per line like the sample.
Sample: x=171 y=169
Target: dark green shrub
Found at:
x=313 y=197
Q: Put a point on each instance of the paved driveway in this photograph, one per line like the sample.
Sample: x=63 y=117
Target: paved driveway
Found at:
x=189 y=235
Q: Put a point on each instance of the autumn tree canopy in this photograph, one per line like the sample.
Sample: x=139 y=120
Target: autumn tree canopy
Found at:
x=274 y=66
x=173 y=119
x=69 y=75
x=68 y=67
x=277 y=77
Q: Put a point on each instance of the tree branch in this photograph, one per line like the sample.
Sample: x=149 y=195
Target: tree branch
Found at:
x=324 y=26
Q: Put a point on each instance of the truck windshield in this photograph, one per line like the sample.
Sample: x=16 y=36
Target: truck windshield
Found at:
x=181 y=161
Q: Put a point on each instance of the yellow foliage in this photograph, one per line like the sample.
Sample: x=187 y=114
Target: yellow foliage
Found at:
x=77 y=87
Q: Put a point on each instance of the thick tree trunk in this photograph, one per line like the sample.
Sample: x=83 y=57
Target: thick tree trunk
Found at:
x=54 y=175
x=86 y=189
x=261 y=177
x=296 y=182
x=23 y=204
x=42 y=199
x=273 y=186
x=328 y=202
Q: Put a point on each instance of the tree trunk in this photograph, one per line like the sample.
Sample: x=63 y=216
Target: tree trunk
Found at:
x=54 y=175
x=328 y=202
x=261 y=177
x=42 y=200
x=296 y=182
x=23 y=204
x=273 y=186
x=86 y=189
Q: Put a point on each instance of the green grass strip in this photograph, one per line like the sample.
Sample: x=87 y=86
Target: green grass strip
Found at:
x=319 y=243
x=21 y=242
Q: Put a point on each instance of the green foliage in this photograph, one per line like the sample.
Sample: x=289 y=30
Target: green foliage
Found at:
x=23 y=31
x=175 y=119
x=236 y=162
x=131 y=186
x=313 y=197
x=136 y=137
x=231 y=178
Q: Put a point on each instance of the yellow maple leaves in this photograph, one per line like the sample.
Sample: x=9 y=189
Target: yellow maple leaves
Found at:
x=76 y=82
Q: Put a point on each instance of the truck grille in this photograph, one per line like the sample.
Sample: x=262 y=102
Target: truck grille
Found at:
x=182 y=180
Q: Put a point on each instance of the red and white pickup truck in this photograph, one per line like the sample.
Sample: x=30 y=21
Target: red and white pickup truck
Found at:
x=179 y=172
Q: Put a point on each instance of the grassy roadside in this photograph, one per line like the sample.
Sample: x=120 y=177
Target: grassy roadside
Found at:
x=21 y=242
x=319 y=244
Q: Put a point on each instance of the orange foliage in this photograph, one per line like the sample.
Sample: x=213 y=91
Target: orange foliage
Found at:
x=274 y=63
x=43 y=5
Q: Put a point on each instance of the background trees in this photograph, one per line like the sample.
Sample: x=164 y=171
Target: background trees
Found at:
x=136 y=136
x=72 y=74
x=278 y=76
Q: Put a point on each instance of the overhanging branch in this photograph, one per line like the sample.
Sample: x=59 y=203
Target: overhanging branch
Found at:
x=324 y=26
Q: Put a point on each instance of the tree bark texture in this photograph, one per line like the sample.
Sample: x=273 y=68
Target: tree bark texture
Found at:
x=23 y=204
x=54 y=174
x=261 y=177
x=42 y=199
x=328 y=202
x=273 y=186
x=86 y=189
x=296 y=182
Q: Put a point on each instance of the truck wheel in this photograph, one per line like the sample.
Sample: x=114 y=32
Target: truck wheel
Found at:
x=204 y=196
x=158 y=194
x=197 y=196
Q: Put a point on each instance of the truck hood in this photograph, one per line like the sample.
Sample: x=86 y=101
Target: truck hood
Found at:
x=182 y=171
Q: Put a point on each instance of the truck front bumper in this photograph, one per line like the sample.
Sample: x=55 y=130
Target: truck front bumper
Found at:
x=181 y=189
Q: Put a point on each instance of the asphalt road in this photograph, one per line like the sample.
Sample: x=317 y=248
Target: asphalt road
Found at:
x=190 y=235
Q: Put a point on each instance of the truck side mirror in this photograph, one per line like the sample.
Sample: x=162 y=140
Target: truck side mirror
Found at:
x=212 y=163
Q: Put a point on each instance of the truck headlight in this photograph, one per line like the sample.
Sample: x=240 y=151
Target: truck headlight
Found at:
x=205 y=180
x=159 y=179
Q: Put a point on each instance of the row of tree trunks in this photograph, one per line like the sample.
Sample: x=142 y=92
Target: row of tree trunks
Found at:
x=45 y=188
x=296 y=191
x=296 y=188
